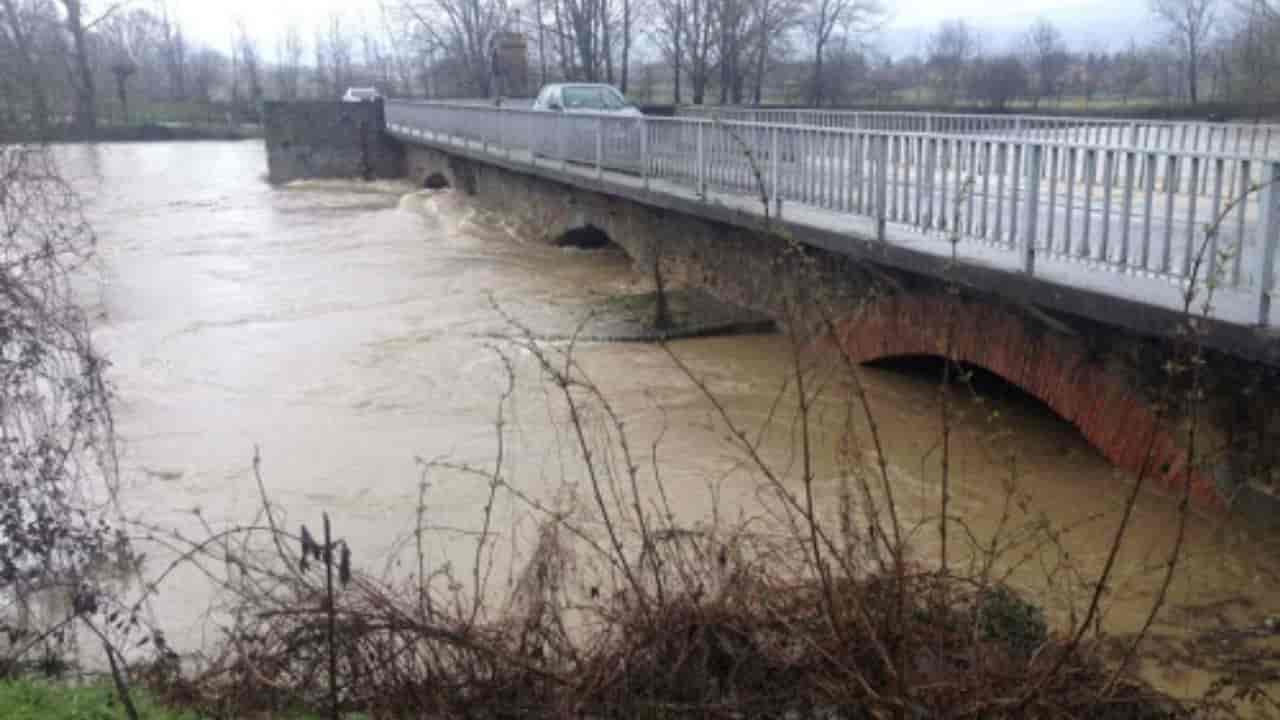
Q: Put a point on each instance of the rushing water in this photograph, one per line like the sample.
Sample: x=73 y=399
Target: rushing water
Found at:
x=347 y=329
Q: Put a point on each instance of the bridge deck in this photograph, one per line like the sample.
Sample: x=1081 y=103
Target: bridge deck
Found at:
x=1114 y=221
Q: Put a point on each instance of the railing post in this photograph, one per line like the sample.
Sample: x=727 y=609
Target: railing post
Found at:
x=930 y=170
x=501 y=139
x=506 y=131
x=1269 y=224
x=644 y=153
x=882 y=187
x=599 y=147
x=1033 y=162
x=773 y=172
x=532 y=133
x=562 y=132
x=702 y=168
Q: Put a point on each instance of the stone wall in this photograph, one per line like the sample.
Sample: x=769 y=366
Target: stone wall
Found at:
x=321 y=139
x=1109 y=383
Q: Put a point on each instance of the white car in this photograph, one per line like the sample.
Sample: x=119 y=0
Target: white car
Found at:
x=584 y=97
x=590 y=108
x=357 y=95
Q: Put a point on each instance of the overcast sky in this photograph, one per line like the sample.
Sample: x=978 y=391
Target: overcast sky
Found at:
x=1087 y=24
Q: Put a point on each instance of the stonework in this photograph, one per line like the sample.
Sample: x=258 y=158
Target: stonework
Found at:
x=316 y=140
x=1109 y=383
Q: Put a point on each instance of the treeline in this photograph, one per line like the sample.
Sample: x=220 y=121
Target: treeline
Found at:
x=1208 y=53
x=825 y=52
x=76 y=64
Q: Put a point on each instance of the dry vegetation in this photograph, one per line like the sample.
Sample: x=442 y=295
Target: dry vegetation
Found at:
x=624 y=608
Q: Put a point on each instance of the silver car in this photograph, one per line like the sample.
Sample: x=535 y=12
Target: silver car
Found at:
x=361 y=94
x=588 y=110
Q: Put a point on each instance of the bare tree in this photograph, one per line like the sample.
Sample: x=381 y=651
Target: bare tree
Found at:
x=581 y=24
x=999 y=80
x=463 y=30
x=732 y=18
x=627 y=29
x=250 y=62
x=55 y=416
x=671 y=33
x=1048 y=59
x=951 y=49
x=1131 y=71
x=1254 y=49
x=174 y=48
x=235 y=74
x=20 y=40
x=288 y=69
x=338 y=42
x=770 y=21
x=1094 y=72
x=208 y=69
x=852 y=17
x=133 y=40
x=1190 y=22
x=86 y=117
x=700 y=45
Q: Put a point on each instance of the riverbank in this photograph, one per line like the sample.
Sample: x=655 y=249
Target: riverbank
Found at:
x=347 y=328
x=143 y=132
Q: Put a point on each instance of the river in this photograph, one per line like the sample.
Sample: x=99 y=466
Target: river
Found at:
x=346 y=330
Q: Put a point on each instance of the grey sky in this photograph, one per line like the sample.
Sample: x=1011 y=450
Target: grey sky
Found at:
x=1086 y=23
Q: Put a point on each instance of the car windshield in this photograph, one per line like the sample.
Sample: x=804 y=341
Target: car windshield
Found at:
x=592 y=98
x=362 y=92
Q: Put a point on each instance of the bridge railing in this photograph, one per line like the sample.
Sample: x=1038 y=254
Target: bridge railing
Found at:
x=1083 y=213
x=1253 y=139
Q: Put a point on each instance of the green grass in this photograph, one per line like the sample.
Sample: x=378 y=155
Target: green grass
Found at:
x=32 y=699
x=41 y=700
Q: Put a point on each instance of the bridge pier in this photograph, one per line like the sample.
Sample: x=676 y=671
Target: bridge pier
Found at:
x=321 y=139
x=1110 y=382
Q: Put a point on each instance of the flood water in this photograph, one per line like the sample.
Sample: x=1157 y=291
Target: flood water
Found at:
x=347 y=330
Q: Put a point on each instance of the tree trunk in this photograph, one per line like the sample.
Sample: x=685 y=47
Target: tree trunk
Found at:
x=726 y=61
x=815 y=94
x=123 y=93
x=1193 y=72
x=86 y=117
x=761 y=59
x=676 y=91
x=542 y=51
x=678 y=51
x=606 y=43
x=626 y=43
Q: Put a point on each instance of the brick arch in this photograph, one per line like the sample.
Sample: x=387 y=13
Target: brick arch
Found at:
x=1052 y=367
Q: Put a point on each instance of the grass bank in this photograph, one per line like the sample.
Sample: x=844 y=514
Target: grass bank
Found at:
x=34 y=699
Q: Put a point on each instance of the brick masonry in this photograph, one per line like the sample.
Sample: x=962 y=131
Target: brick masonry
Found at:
x=1102 y=380
x=1061 y=371
x=321 y=139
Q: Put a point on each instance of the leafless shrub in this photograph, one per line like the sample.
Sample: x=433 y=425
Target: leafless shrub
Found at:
x=57 y=462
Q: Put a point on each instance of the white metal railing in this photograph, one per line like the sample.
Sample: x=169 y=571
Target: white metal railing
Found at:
x=1127 y=207
x=1254 y=139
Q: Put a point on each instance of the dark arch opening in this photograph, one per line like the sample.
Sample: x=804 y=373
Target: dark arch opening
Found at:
x=435 y=181
x=981 y=381
x=587 y=237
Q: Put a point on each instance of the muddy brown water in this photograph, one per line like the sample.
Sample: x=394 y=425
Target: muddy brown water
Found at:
x=349 y=329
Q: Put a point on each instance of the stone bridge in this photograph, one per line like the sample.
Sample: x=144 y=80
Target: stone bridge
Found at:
x=1017 y=245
